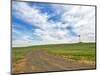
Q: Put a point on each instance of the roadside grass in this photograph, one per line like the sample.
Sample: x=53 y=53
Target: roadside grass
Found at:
x=84 y=52
x=19 y=53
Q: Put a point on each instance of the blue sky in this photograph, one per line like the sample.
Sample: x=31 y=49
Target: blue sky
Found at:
x=43 y=23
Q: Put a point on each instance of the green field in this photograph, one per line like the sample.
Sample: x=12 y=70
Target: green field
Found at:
x=76 y=51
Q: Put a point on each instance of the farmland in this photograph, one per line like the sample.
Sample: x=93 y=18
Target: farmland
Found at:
x=82 y=53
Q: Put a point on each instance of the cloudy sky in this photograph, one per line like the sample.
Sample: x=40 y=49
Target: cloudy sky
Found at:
x=42 y=23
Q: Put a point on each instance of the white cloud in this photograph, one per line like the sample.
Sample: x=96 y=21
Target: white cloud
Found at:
x=29 y=14
x=82 y=18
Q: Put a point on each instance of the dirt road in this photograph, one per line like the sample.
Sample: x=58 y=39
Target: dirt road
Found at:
x=41 y=61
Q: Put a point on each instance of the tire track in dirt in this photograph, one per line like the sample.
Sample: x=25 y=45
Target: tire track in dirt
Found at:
x=42 y=61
